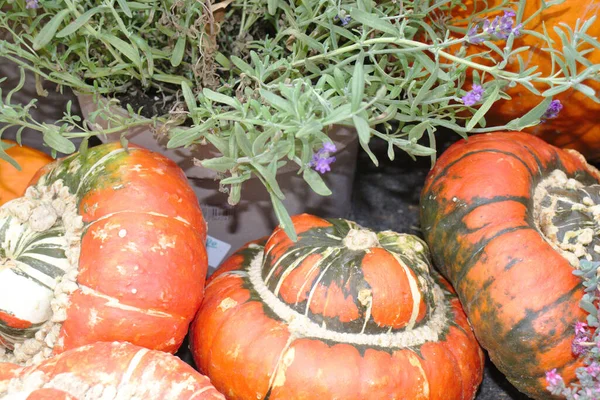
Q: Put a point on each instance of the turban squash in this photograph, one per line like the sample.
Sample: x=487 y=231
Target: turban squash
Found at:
x=508 y=217
x=106 y=245
x=103 y=370
x=343 y=313
x=578 y=124
x=14 y=182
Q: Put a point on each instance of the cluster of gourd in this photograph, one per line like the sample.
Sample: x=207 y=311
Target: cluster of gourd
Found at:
x=103 y=266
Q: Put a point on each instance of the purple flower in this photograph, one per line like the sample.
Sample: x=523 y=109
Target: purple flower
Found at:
x=32 y=4
x=322 y=159
x=580 y=328
x=473 y=96
x=553 y=378
x=593 y=369
x=553 y=109
x=344 y=20
x=578 y=346
x=500 y=27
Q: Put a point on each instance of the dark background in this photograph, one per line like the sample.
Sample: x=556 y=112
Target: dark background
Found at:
x=384 y=197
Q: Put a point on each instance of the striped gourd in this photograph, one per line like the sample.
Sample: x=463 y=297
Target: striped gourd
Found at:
x=343 y=313
x=103 y=371
x=106 y=245
x=508 y=217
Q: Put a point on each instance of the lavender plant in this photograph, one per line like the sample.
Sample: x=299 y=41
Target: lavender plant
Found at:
x=264 y=81
x=586 y=343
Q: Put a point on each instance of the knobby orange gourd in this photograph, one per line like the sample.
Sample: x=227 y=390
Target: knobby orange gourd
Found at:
x=106 y=371
x=578 y=124
x=14 y=182
x=107 y=245
x=508 y=217
x=343 y=313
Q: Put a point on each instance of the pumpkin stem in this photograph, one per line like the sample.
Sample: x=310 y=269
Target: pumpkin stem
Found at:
x=360 y=239
x=39 y=251
x=568 y=214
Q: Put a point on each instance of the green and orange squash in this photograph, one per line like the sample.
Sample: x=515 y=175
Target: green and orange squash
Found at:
x=343 y=313
x=106 y=245
x=508 y=217
x=105 y=370
x=13 y=181
x=578 y=124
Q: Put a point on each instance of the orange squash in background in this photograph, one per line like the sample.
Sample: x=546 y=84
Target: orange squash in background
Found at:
x=578 y=124
x=14 y=182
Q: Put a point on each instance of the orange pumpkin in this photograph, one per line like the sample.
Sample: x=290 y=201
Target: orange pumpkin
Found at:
x=506 y=215
x=343 y=313
x=14 y=182
x=103 y=246
x=106 y=371
x=578 y=124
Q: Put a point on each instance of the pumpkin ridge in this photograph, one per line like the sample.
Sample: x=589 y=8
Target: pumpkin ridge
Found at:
x=471 y=261
x=116 y=303
x=444 y=171
x=302 y=326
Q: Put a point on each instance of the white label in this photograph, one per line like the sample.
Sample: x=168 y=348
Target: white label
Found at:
x=217 y=250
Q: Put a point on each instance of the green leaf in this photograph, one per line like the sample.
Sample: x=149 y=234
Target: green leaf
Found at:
x=242 y=140
x=362 y=128
x=125 y=7
x=46 y=34
x=58 y=142
x=373 y=21
x=188 y=96
x=484 y=108
x=221 y=98
x=220 y=164
x=175 y=79
x=277 y=101
x=7 y=158
x=316 y=183
x=530 y=118
x=272 y=6
x=143 y=45
x=80 y=21
x=178 y=51
x=124 y=48
x=555 y=90
x=269 y=178
x=284 y=218
x=183 y=137
x=358 y=83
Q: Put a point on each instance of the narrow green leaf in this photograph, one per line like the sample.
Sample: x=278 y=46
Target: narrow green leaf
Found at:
x=7 y=158
x=221 y=98
x=80 y=21
x=487 y=104
x=362 y=128
x=183 y=137
x=277 y=101
x=178 y=51
x=555 y=90
x=284 y=218
x=188 y=96
x=242 y=140
x=58 y=142
x=125 y=7
x=316 y=183
x=124 y=48
x=272 y=6
x=220 y=164
x=373 y=21
x=269 y=178
x=175 y=79
x=46 y=34
x=531 y=117
x=358 y=83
